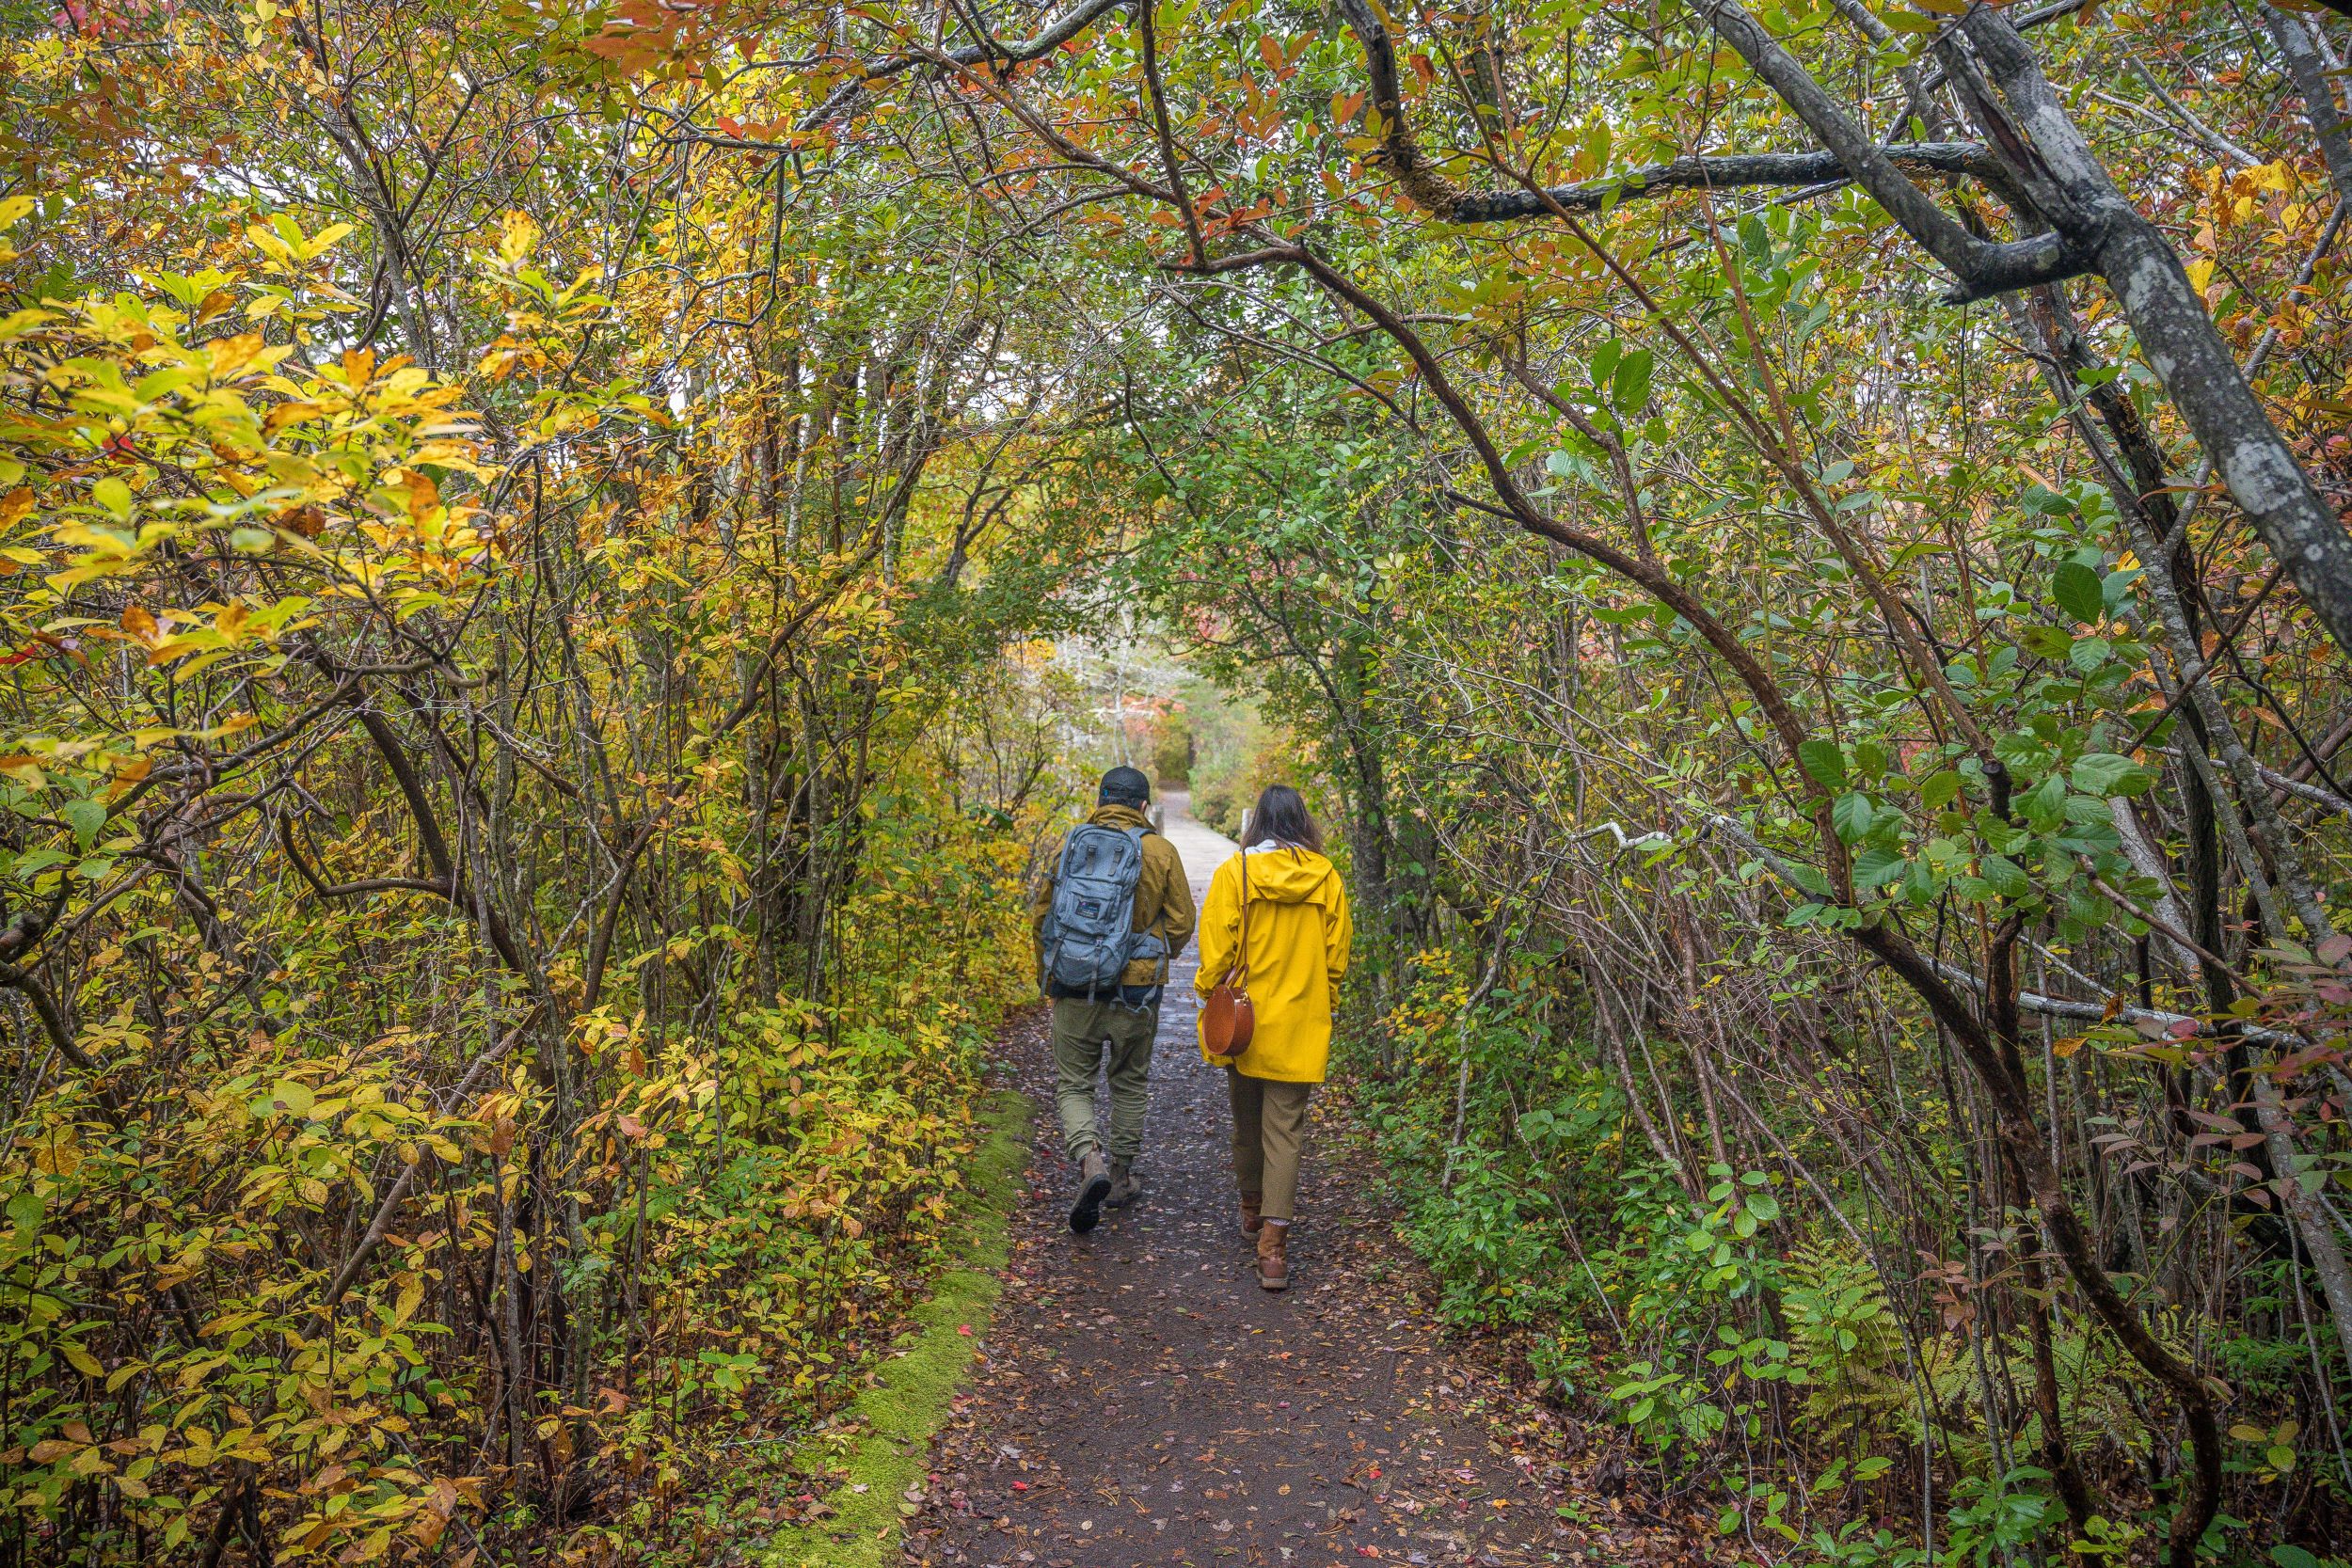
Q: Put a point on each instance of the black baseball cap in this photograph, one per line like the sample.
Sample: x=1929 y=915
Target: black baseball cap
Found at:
x=1124 y=786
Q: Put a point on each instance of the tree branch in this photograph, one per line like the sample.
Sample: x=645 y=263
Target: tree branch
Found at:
x=1734 y=171
x=379 y=1225
x=1059 y=31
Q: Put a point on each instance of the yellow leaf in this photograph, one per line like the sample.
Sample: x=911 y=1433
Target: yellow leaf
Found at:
x=269 y=244
x=232 y=355
x=520 y=238
x=317 y=244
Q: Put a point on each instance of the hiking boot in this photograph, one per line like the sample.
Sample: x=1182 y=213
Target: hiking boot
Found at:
x=1094 y=1185
x=1251 y=1222
x=1126 y=1186
x=1274 y=1264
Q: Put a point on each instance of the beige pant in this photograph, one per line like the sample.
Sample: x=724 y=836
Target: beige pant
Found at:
x=1269 y=1133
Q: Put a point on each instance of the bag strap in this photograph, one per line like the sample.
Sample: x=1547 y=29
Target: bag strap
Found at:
x=1139 y=834
x=1237 y=972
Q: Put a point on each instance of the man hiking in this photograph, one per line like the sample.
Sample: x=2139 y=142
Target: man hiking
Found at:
x=1114 y=910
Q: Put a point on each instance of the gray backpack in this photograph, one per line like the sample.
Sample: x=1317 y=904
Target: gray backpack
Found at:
x=1089 y=936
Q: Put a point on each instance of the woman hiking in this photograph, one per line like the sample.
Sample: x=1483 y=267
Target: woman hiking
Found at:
x=1294 y=913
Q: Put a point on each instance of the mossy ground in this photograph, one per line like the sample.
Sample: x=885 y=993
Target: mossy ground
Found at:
x=899 y=1415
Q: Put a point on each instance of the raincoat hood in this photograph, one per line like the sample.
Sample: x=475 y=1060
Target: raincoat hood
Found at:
x=1118 y=815
x=1292 y=877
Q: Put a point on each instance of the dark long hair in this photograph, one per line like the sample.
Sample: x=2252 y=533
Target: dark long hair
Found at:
x=1281 y=815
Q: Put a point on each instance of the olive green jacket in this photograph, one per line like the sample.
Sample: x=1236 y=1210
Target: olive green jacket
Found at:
x=1163 y=895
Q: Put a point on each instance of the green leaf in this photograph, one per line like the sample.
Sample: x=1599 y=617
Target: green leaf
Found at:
x=2088 y=653
x=2079 y=592
x=1808 y=878
x=2104 y=773
x=2006 y=875
x=37 y=861
x=85 y=817
x=1940 y=790
x=1629 y=383
x=1876 y=868
x=1851 y=816
x=115 y=496
x=2048 y=643
x=1825 y=761
x=2044 y=805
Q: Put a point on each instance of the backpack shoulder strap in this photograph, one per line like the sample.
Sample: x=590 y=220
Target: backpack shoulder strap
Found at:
x=1138 y=835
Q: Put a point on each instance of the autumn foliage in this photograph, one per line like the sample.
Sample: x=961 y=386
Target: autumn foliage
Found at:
x=1803 y=548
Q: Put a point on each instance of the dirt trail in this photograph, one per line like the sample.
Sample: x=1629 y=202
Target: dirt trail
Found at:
x=1139 y=1401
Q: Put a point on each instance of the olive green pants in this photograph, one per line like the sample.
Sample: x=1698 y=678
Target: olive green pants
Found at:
x=1083 y=1031
x=1269 y=1134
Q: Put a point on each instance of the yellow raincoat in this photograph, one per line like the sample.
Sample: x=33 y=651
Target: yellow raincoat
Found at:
x=1299 y=936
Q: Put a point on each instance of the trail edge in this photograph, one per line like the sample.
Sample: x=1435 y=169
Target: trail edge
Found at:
x=909 y=1398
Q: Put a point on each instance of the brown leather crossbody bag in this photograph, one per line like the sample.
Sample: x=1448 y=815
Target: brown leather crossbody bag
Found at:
x=1226 y=1018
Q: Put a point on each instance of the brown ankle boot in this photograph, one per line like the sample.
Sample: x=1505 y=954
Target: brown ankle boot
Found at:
x=1126 y=1186
x=1274 y=1264
x=1251 y=1222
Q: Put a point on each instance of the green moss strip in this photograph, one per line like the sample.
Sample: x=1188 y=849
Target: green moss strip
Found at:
x=904 y=1408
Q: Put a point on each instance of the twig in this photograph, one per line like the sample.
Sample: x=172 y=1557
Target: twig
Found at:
x=392 y=1199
